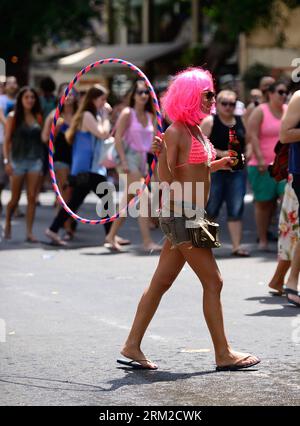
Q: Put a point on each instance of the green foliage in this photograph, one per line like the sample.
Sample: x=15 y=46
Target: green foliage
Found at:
x=24 y=22
x=254 y=73
x=236 y=16
x=192 y=56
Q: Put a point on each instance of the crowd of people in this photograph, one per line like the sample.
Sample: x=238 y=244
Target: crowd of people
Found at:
x=88 y=119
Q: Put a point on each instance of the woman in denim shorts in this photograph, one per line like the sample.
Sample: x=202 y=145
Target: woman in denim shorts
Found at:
x=133 y=138
x=187 y=157
x=23 y=156
x=62 y=150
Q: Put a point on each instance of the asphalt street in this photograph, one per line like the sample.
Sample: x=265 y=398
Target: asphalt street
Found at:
x=64 y=314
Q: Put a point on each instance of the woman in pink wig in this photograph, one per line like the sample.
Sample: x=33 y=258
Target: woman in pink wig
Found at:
x=187 y=158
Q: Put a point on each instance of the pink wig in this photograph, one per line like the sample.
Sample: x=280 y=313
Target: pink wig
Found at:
x=182 y=101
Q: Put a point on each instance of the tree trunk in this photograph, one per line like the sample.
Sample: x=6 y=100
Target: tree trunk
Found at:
x=217 y=53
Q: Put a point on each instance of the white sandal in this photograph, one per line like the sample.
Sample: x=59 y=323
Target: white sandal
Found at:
x=55 y=238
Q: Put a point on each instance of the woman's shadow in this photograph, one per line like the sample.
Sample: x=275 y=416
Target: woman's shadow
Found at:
x=132 y=377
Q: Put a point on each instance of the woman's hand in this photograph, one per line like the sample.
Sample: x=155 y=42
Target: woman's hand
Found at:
x=8 y=169
x=124 y=166
x=227 y=162
x=107 y=108
x=261 y=166
x=157 y=144
x=224 y=163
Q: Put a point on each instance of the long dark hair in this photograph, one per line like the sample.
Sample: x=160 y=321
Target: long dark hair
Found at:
x=272 y=88
x=19 y=109
x=149 y=105
x=61 y=91
x=87 y=104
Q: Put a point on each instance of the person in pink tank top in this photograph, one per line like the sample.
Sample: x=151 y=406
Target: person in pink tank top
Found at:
x=133 y=139
x=263 y=129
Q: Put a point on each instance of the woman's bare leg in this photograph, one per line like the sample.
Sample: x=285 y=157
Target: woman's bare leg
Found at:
x=293 y=280
x=16 y=183
x=143 y=221
x=170 y=264
x=263 y=212
x=32 y=186
x=277 y=280
x=204 y=265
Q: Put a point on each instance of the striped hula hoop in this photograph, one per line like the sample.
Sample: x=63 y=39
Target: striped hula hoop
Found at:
x=85 y=70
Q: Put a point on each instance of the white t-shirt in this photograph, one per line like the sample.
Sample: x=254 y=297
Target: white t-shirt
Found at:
x=240 y=108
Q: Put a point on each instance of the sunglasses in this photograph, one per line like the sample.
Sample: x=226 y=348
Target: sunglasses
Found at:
x=282 y=92
x=142 y=92
x=231 y=104
x=210 y=95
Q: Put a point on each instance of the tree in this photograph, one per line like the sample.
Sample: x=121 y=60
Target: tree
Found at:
x=232 y=17
x=25 y=22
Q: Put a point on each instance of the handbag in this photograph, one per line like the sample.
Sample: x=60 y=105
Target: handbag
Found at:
x=279 y=169
x=204 y=233
x=109 y=157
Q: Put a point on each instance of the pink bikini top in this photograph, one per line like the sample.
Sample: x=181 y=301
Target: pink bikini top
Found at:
x=200 y=152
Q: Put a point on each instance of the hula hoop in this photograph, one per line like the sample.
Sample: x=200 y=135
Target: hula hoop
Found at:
x=85 y=70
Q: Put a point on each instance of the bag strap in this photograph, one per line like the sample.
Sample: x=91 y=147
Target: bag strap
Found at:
x=207 y=232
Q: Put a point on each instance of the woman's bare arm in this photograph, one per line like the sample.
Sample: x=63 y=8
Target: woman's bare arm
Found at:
x=97 y=128
x=8 y=141
x=171 y=140
x=121 y=126
x=290 y=120
x=253 y=128
x=47 y=127
x=2 y=117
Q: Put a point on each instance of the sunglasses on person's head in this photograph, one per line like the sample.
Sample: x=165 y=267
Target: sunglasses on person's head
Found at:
x=210 y=95
x=282 y=92
x=142 y=92
x=225 y=104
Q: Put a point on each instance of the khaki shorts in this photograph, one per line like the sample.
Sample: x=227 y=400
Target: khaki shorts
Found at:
x=175 y=226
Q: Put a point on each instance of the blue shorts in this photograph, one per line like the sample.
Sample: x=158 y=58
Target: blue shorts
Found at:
x=21 y=167
x=228 y=187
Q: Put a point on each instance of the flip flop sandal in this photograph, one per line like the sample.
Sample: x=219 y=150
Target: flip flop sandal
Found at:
x=31 y=240
x=124 y=242
x=112 y=248
x=294 y=293
x=277 y=293
x=290 y=291
x=235 y=367
x=240 y=253
x=135 y=364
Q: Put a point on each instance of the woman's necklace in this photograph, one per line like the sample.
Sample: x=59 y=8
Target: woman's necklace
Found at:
x=206 y=146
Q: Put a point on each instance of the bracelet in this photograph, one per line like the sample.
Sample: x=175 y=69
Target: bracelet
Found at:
x=5 y=161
